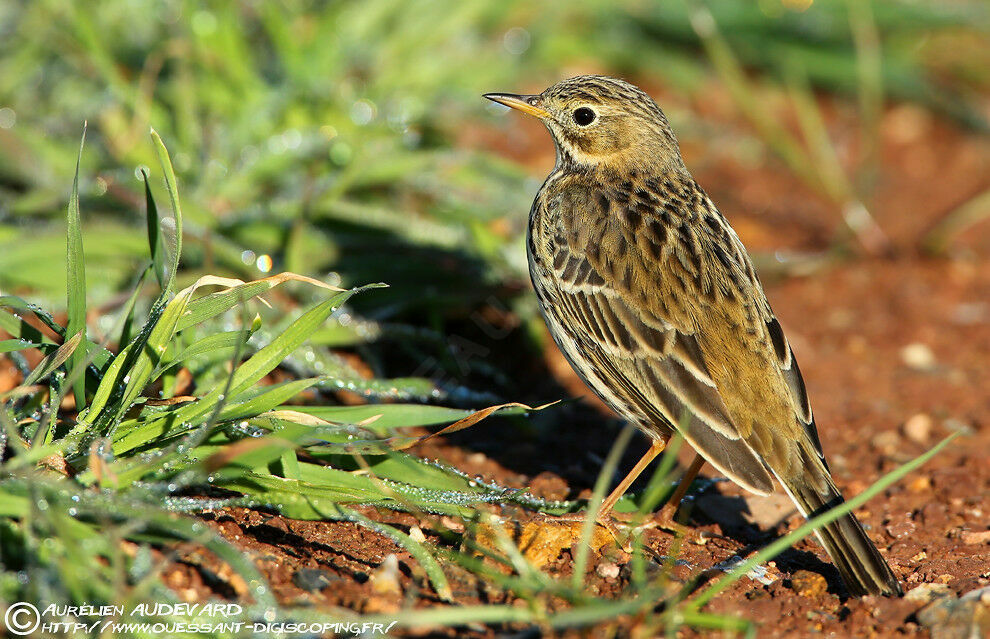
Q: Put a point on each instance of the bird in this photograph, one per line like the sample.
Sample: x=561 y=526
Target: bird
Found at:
x=654 y=301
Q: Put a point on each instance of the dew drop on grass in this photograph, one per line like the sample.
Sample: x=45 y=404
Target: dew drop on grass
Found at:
x=292 y=138
x=8 y=118
x=516 y=40
x=363 y=112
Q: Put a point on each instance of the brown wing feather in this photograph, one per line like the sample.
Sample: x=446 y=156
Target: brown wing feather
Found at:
x=795 y=383
x=638 y=362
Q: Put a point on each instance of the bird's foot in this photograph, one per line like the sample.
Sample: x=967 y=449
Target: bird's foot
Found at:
x=622 y=541
x=665 y=521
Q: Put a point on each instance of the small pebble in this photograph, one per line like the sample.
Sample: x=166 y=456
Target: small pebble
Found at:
x=385 y=580
x=417 y=534
x=918 y=428
x=918 y=356
x=972 y=537
x=962 y=618
x=925 y=593
x=607 y=570
x=808 y=584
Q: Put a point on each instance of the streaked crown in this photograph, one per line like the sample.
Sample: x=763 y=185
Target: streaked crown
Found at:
x=597 y=121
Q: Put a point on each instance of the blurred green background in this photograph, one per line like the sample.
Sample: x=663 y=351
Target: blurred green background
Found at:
x=332 y=137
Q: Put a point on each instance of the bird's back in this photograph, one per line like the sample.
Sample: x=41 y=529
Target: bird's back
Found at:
x=653 y=299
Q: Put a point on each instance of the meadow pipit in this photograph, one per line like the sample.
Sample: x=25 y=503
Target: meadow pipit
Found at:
x=651 y=296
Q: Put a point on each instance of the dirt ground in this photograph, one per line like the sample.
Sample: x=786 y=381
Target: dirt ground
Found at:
x=896 y=353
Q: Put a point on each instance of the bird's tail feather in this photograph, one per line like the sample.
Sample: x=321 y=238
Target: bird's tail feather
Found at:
x=863 y=569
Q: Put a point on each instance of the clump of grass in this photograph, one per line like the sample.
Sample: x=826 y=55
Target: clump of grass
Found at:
x=116 y=466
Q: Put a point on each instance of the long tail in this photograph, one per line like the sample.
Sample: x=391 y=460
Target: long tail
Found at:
x=863 y=569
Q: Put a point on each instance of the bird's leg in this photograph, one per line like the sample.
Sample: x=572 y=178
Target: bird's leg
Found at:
x=670 y=508
x=605 y=512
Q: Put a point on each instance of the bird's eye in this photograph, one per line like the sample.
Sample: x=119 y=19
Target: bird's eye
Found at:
x=584 y=116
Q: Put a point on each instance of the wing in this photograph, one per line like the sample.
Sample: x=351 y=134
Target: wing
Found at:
x=638 y=353
x=795 y=383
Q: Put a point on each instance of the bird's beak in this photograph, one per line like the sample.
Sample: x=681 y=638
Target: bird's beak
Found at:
x=525 y=103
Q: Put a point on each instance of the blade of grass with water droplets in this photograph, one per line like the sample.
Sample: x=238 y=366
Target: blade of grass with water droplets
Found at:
x=155 y=244
x=250 y=403
x=208 y=345
x=76 y=279
x=245 y=376
x=12 y=345
x=170 y=227
x=53 y=361
x=391 y=415
x=209 y=306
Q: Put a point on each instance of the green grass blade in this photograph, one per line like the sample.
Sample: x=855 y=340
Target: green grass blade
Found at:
x=171 y=227
x=53 y=361
x=266 y=359
x=76 y=279
x=154 y=236
x=211 y=305
x=252 y=404
x=14 y=323
x=245 y=376
x=211 y=344
x=12 y=345
x=387 y=416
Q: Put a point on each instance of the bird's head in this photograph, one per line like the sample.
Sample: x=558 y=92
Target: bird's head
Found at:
x=598 y=121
